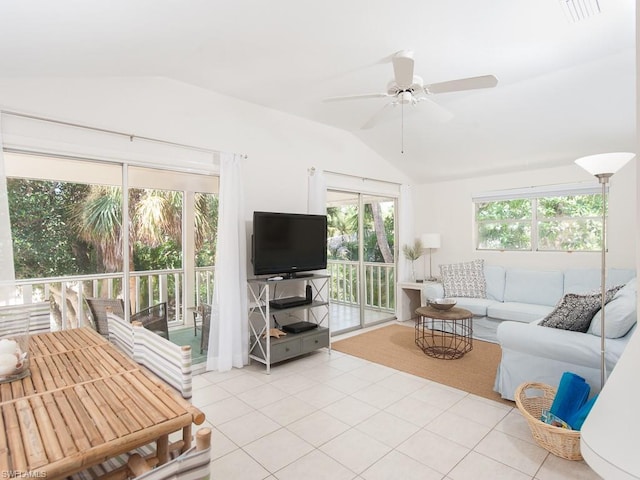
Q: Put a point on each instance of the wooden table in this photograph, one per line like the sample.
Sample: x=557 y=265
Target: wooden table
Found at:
x=83 y=403
x=445 y=334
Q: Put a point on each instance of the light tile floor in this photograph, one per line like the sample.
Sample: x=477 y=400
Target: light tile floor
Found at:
x=334 y=416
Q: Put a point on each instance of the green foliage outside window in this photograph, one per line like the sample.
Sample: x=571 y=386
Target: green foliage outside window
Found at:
x=43 y=243
x=63 y=228
x=377 y=247
x=505 y=236
x=572 y=223
x=519 y=209
x=501 y=225
x=559 y=223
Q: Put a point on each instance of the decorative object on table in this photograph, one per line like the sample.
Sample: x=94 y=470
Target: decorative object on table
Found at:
x=603 y=166
x=532 y=399
x=413 y=253
x=429 y=242
x=14 y=345
x=441 y=303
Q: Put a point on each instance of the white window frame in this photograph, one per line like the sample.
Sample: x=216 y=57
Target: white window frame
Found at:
x=533 y=193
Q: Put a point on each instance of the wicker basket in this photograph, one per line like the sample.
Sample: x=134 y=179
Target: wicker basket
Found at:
x=561 y=442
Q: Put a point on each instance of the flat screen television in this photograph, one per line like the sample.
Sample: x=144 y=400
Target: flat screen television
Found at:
x=287 y=243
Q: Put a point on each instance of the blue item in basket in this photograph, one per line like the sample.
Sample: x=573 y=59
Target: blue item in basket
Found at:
x=578 y=418
x=571 y=395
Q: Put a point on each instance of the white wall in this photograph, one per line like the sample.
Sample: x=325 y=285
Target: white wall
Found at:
x=280 y=147
x=446 y=208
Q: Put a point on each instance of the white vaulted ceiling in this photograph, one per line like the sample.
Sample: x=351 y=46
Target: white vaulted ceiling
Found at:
x=564 y=89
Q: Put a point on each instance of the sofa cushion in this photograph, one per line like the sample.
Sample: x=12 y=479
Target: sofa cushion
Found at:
x=582 y=280
x=495 y=278
x=575 y=311
x=477 y=306
x=620 y=313
x=519 y=312
x=464 y=279
x=533 y=286
x=619 y=276
x=587 y=280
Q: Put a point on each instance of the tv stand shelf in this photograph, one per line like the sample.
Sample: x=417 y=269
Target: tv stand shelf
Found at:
x=262 y=317
x=293 y=345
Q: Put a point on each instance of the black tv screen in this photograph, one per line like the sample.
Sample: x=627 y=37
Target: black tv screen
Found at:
x=286 y=243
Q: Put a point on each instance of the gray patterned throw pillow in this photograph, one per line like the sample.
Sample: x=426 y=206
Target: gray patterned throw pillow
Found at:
x=575 y=312
x=464 y=279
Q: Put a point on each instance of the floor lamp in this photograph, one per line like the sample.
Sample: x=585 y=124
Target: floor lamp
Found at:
x=603 y=166
x=429 y=242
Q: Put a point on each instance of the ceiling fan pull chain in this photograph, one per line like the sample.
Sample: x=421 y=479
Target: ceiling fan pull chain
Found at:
x=402 y=128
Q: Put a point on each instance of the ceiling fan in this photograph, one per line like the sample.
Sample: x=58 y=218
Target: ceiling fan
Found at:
x=408 y=89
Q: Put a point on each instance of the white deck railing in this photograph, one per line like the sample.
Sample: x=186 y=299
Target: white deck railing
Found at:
x=379 y=284
x=148 y=288
x=151 y=287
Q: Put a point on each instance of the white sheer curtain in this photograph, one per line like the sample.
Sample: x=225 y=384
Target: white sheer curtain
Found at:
x=229 y=335
x=7 y=272
x=317 y=194
x=405 y=231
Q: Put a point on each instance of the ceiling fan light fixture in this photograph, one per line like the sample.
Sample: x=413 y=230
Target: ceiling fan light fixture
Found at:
x=406 y=97
x=577 y=10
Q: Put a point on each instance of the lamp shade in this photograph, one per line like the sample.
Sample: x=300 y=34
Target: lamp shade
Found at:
x=430 y=240
x=605 y=163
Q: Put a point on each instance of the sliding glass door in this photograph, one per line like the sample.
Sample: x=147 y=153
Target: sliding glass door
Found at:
x=361 y=249
x=70 y=240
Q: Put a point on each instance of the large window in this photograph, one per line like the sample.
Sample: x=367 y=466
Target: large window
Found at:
x=560 y=218
x=69 y=242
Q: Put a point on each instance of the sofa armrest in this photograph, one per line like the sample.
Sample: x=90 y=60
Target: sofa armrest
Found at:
x=432 y=290
x=557 y=344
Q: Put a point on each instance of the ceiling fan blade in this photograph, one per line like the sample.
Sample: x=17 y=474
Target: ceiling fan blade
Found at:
x=435 y=111
x=379 y=115
x=403 y=68
x=471 y=83
x=356 y=97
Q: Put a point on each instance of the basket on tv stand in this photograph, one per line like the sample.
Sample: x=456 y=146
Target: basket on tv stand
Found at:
x=269 y=350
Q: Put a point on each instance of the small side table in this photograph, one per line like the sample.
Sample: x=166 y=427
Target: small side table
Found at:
x=445 y=334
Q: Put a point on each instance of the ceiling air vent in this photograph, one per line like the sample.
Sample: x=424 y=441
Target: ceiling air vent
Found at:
x=577 y=10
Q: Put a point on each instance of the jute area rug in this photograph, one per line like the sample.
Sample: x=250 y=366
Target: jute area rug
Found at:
x=394 y=346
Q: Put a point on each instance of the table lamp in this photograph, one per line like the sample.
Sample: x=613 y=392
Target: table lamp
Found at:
x=429 y=242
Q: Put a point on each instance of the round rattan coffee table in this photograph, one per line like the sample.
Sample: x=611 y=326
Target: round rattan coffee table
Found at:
x=445 y=334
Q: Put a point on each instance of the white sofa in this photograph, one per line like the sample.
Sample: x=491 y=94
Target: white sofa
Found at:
x=518 y=299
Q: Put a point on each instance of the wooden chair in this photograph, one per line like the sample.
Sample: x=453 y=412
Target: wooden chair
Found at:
x=194 y=464
x=154 y=318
